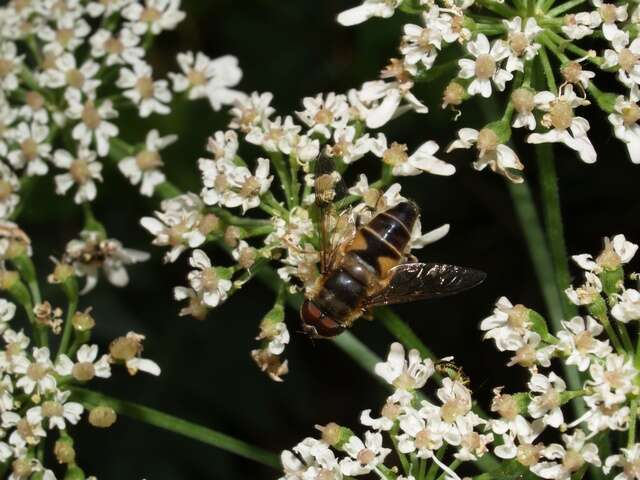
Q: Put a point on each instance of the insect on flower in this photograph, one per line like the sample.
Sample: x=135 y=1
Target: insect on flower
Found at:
x=369 y=266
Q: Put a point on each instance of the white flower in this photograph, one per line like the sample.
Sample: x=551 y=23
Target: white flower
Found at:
x=6 y=397
x=250 y=111
x=206 y=78
x=67 y=74
x=144 y=168
x=69 y=33
x=626 y=57
x=37 y=375
x=7 y=312
x=521 y=42
x=629 y=461
x=365 y=456
x=569 y=459
x=11 y=65
x=521 y=431
x=610 y=14
x=530 y=352
x=628 y=306
x=28 y=429
x=612 y=379
x=151 y=96
x=547 y=404
x=128 y=350
x=499 y=157
x=404 y=374
x=9 y=187
x=625 y=123
x=579 y=25
x=83 y=170
x=385 y=422
x=13 y=357
x=309 y=459
x=578 y=340
x=421 y=44
x=423 y=160
x=564 y=126
x=8 y=116
x=94 y=126
x=324 y=113
x=33 y=149
x=616 y=253
x=422 y=432
x=486 y=66
x=86 y=367
x=117 y=49
x=586 y=294
x=206 y=280
x=154 y=16
x=383 y=101
x=58 y=411
x=274 y=135
x=602 y=417
x=92 y=252
x=106 y=8
x=247 y=188
x=179 y=224
x=367 y=10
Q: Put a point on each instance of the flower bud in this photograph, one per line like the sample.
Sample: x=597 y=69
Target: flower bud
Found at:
x=454 y=94
x=74 y=473
x=232 y=236
x=334 y=435
x=102 y=417
x=64 y=451
x=522 y=99
x=209 y=223
x=61 y=273
x=83 y=321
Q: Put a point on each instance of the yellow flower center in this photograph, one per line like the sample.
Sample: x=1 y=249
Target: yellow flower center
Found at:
x=561 y=115
x=148 y=160
x=90 y=116
x=79 y=171
x=145 y=87
x=485 y=66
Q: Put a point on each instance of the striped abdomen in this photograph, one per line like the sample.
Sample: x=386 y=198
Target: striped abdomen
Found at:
x=367 y=260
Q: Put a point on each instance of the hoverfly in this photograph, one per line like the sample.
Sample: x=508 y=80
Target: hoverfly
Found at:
x=372 y=268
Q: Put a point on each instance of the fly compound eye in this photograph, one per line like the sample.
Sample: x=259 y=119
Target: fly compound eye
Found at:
x=316 y=324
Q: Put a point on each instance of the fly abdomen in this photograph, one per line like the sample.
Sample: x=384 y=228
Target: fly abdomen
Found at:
x=340 y=294
x=382 y=242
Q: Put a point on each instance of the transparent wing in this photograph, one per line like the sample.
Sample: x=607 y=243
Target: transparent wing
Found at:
x=419 y=281
x=328 y=188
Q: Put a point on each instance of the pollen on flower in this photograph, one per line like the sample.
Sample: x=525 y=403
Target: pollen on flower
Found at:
x=572 y=72
x=396 y=154
x=522 y=99
x=506 y=406
x=487 y=140
x=83 y=321
x=528 y=454
x=631 y=114
x=561 y=115
x=485 y=66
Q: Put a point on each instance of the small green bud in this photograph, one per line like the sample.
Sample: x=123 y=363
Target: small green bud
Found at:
x=335 y=435
x=612 y=280
x=10 y=282
x=598 y=308
x=64 y=451
x=74 y=473
x=539 y=325
x=83 y=321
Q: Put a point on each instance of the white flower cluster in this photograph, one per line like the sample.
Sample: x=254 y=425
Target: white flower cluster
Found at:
x=67 y=68
x=511 y=44
x=418 y=429
x=597 y=344
x=36 y=400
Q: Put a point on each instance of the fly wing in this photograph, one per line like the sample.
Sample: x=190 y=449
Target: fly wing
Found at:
x=419 y=281
x=328 y=188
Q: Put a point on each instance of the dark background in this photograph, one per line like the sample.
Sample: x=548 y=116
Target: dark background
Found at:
x=295 y=49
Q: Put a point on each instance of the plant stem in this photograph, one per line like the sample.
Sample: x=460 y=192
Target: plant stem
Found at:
x=403 y=458
x=177 y=425
x=68 y=325
x=566 y=6
x=633 y=417
x=624 y=335
x=538 y=250
x=279 y=165
x=553 y=224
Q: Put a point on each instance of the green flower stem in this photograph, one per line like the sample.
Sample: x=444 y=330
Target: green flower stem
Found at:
x=27 y=184
x=553 y=223
x=281 y=169
x=433 y=469
x=404 y=461
x=499 y=8
x=624 y=335
x=454 y=465
x=564 y=43
x=560 y=9
x=538 y=250
x=294 y=166
x=422 y=469
x=27 y=270
x=548 y=71
x=633 y=417
x=72 y=297
x=611 y=333
x=177 y=425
